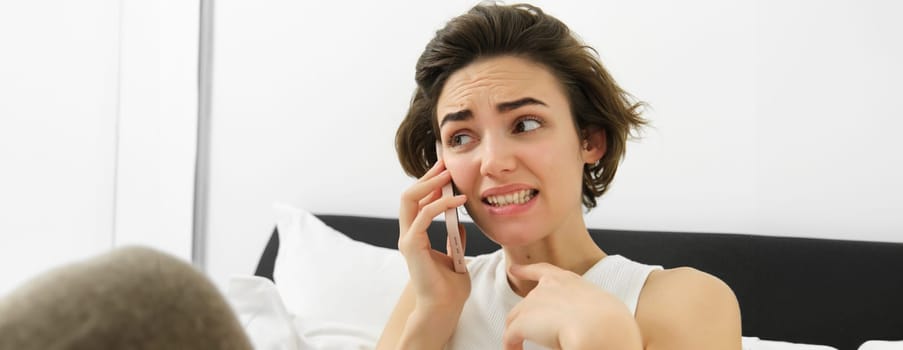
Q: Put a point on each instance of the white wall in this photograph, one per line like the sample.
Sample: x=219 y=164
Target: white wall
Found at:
x=157 y=124
x=773 y=118
x=97 y=127
x=58 y=88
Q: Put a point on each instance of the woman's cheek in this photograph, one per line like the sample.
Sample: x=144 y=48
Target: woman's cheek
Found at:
x=459 y=174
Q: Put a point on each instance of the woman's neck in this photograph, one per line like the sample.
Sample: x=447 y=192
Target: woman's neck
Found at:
x=569 y=248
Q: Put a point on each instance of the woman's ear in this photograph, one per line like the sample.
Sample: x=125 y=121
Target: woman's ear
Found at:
x=595 y=143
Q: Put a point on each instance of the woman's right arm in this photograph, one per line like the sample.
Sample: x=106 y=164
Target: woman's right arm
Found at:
x=411 y=329
x=429 y=307
x=392 y=333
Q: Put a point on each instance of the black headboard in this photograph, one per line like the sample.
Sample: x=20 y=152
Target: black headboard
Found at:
x=816 y=291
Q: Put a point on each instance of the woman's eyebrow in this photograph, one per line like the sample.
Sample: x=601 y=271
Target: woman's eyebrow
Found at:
x=502 y=107
x=507 y=106
x=456 y=116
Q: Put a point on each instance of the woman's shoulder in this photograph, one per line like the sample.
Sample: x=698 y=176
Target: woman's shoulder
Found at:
x=687 y=302
x=684 y=283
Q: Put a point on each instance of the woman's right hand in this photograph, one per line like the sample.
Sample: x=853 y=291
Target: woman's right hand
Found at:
x=436 y=284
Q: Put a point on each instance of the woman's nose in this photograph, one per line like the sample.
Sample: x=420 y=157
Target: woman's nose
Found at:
x=496 y=157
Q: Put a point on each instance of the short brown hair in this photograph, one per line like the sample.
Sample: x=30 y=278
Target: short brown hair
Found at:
x=521 y=30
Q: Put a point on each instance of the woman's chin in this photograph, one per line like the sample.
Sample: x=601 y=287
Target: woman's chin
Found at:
x=511 y=236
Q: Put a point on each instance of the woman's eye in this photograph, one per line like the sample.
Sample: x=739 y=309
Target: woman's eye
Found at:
x=460 y=139
x=525 y=125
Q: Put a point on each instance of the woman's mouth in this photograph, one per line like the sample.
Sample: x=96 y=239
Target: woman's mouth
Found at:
x=514 y=198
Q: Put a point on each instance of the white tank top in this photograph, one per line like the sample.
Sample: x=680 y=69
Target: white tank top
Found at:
x=482 y=321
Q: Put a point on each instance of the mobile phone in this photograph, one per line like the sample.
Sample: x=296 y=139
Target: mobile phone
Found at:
x=451 y=224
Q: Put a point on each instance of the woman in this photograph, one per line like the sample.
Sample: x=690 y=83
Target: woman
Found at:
x=532 y=128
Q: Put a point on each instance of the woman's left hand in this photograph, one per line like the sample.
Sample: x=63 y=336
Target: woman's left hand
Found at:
x=565 y=311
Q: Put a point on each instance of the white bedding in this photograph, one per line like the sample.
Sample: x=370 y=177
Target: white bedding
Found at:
x=882 y=345
x=268 y=323
x=754 y=343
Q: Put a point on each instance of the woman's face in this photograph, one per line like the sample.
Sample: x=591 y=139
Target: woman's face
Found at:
x=511 y=146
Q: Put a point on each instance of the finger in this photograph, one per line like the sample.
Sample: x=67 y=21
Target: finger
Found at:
x=514 y=313
x=463 y=236
x=430 y=211
x=425 y=186
x=415 y=237
x=534 y=272
x=448 y=248
x=429 y=198
x=513 y=338
x=443 y=259
x=440 y=163
x=411 y=197
x=436 y=169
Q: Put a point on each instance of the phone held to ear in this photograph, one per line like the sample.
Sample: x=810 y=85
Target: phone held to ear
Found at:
x=451 y=224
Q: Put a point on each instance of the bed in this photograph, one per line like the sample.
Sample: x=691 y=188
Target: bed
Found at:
x=838 y=293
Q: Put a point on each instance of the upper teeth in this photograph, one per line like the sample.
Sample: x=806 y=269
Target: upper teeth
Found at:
x=519 y=197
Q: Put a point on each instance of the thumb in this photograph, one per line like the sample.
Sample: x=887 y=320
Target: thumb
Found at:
x=533 y=272
x=463 y=233
x=463 y=236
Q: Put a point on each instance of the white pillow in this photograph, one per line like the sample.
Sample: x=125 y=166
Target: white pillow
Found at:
x=341 y=291
x=882 y=345
x=263 y=315
x=753 y=343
